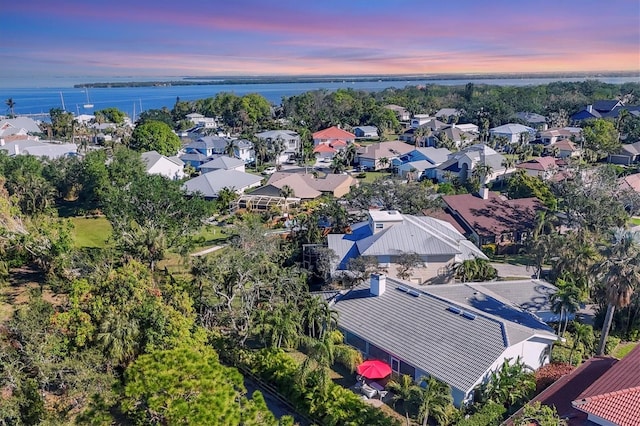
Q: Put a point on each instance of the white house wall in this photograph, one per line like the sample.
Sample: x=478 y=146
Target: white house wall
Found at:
x=166 y=170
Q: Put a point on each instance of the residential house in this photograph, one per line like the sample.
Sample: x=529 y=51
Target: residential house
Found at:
x=599 y=109
x=420 y=160
x=419 y=333
x=614 y=398
x=401 y=113
x=432 y=124
x=387 y=235
x=334 y=138
x=204 y=149
x=380 y=155
x=567 y=388
x=366 y=132
x=419 y=119
x=209 y=184
x=448 y=115
x=307 y=186
x=46 y=149
x=158 y=164
x=630 y=182
x=551 y=136
x=513 y=133
x=627 y=154
x=601 y=391
x=461 y=164
x=537 y=121
x=18 y=125
x=290 y=140
x=243 y=149
x=494 y=219
x=542 y=167
x=530 y=295
x=468 y=127
x=201 y=121
x=222 y=163
x=564 y=149
x=457 y=135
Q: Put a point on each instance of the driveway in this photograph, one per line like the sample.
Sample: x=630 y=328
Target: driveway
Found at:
x=513 y=271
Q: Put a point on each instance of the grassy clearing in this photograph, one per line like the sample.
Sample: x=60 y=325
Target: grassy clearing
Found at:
x=210 y=235
x=91 y=232
x=635 y=221
x=623 y=349
x=373 y=176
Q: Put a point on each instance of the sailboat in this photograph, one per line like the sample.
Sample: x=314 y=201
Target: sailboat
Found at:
x=88 y=104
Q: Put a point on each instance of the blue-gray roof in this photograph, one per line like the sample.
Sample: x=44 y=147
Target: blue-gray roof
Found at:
x=209 y=184
x=425 y=333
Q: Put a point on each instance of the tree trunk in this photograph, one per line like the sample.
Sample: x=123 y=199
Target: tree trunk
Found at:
x=605 y=329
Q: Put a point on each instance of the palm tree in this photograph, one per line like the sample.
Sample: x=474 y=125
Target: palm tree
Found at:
x=434 y=401
x=420 y=135
x=260 y=150
x=565 y=301
x=230 y=148
x=480 y=173
x=620 y=273
x=286 y=192
x=350 y=154
x=10 y=103
x=476 y=269
x=404 y=391
x=582 y=333
x=384 y=162
x=507 y=163
x=118 y=337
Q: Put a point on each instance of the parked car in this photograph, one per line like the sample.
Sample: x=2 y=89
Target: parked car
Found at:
x=269 y=171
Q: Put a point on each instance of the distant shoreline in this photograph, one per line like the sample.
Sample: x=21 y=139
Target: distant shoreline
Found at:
x=216 y=80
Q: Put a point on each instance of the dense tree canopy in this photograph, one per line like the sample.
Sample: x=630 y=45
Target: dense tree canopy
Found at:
x=155 y=136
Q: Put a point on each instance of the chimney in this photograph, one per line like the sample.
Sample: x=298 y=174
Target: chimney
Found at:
x=378 y=284
x=16 y=149
x=589 y=108
x=484 y=193
x=1 y=141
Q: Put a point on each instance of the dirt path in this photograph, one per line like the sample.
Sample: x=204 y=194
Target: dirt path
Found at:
x=16 y=293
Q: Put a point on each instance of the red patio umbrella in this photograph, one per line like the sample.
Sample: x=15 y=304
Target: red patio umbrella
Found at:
x=374 y=369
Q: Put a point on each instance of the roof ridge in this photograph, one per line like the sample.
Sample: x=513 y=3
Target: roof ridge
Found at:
x=598 y=397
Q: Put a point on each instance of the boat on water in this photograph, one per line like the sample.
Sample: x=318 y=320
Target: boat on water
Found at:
x=88 y=104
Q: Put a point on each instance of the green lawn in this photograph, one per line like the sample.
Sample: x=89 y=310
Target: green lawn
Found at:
x=623 y=349
x=91 y=231
x=372 y=176
x=635 y=221
x=94 y=232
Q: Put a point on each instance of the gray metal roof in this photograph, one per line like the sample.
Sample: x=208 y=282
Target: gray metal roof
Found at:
x=423 y=235
x=223 y=162
x=422 y=332
x=150 y=158
x=209 y=184
x=425 y=333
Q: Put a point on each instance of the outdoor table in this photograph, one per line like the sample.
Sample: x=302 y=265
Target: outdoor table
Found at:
x=377 y=386
x=368 y=391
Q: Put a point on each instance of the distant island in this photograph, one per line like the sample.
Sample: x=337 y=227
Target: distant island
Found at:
x=217 y=80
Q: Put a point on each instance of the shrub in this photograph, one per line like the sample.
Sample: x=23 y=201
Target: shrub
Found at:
x=489 y=249
x=489 y=414
x=548 y=374
x=612 y=342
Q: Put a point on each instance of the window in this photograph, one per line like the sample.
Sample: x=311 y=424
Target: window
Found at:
x=395 y=365
x=379 y=225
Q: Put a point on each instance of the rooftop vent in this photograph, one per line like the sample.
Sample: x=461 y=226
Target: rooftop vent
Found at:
x=402 y=289
x=413 y=293
x=468 y=315
x=455 y=310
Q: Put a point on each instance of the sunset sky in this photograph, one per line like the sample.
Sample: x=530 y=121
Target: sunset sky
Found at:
x=41 y=41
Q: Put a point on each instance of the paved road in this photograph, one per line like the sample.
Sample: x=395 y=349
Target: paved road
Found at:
x=206 y=251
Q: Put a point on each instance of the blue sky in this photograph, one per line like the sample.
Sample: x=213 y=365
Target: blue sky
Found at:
x=103 y=40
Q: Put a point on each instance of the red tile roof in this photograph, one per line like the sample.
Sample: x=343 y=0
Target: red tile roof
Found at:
x=324 y=148
x=495 y=215
x=561 y=393
x=333 y=133
x=540 y=163
x=615 y=396
x=621 y=408
x=338 y=142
